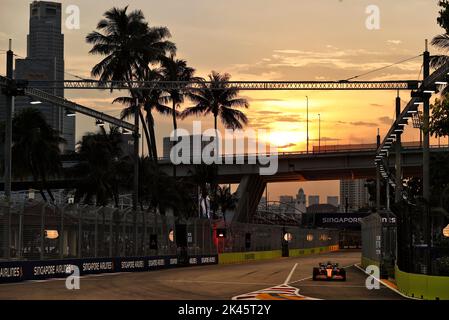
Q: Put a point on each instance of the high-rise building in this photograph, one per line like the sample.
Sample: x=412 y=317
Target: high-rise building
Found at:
x=333 y=200
x=300 y=204
x=314 y=200
x=45 y=61
x=286 y=204
x=353 y=195
x=286 y=199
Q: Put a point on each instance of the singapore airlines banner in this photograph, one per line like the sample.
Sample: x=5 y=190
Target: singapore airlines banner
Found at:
x=345 y=220
x=14 y=271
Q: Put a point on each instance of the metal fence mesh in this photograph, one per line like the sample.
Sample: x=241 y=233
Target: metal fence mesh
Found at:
x=39 y=231
x=243 y=237
x=34 y=230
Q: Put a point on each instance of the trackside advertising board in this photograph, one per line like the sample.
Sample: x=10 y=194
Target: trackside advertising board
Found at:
x=14 y=271
x=350 y=220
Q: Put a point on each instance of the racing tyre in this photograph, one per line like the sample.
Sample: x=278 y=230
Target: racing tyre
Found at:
x=343 y=275
x=315 y=273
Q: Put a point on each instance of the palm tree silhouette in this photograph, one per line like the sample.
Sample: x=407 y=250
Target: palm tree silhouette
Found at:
x=36 y=149
x=131 y=46
x=152 y=100
x=440 y=41
x=223 y=199
x=220 y=100
x=204 y=177
x=100 y=172
x=176 y=70
x=128 y=43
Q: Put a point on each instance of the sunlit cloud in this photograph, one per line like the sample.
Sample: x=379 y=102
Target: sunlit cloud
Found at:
x=386 y=120
x=395 y=42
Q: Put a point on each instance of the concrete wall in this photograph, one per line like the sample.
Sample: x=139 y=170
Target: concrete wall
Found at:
x=422 y=286
x=242 y=257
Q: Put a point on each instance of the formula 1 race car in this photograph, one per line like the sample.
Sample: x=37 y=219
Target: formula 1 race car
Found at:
x=329 y=271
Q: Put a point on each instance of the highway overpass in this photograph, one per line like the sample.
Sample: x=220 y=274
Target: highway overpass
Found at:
x=302 y=166
x=294 y=166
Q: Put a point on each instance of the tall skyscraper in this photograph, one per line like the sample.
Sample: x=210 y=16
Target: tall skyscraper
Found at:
x=300 y=203
x=287 y=203
x=314 y=199
x=333 y=200
x=353 y=195
x=45 y=61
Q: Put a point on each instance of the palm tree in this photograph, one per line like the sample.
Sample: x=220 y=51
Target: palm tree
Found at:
x=152 y=99
x=176 y=70
x=157 y=188
x=36 y=149
x=128 y=43
x=223 y=199
x=130 y=46
x=220 y=100
x=442 y=41
x=204 y=178
x=101 y=171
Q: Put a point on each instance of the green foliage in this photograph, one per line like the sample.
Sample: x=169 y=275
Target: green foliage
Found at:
x=173 y=69
x=441 y=41
x=443 y=265
x=220 y=101
x=204 y=177
x=102 y=169
x=223 y=199
x=130 y=47
x=439 y=121
x=36 y=148
x=443 y=19
x=157 y=190
x=128 y=43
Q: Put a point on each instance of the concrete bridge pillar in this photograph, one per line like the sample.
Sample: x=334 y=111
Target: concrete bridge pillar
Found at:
x=249 y=193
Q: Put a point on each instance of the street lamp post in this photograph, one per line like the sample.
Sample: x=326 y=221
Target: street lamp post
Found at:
x=319 y=132
x=378 y=175
x=8 y=145
x=307 y=123
x=398 y=156
x=8 y=123
x=426 y=159
x=135 y=196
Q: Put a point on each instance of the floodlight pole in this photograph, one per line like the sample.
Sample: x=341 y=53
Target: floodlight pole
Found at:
x=378 y=176
x=319 y=132
x=136 y=157
x=426 y=161
x=426 y=136
x=8 y=123
x=136 y=172
x=307 y=123
x=9 y=97
x=398 y=156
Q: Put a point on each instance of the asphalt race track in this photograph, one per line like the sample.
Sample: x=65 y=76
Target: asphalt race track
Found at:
x=213 y=282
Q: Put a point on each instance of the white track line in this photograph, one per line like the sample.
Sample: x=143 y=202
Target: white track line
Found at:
x=300 y=280
x=217 y=282
x=386 y=284
x=290 y=274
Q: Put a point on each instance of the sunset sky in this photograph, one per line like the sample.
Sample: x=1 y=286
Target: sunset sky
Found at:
x=269 y=40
